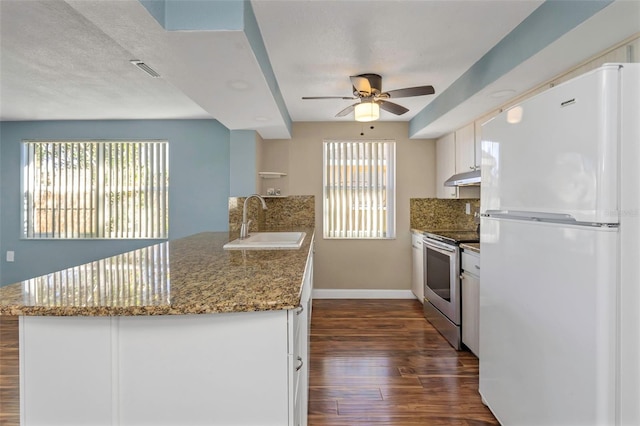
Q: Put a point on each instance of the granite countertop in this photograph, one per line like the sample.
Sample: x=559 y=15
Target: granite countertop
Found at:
x=475 y=247
x=191 y=275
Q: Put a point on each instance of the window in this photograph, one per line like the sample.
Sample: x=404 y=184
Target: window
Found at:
x=359 y=189
x=95 y=189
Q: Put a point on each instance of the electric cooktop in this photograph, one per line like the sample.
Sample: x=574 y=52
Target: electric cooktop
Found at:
x=454 y=236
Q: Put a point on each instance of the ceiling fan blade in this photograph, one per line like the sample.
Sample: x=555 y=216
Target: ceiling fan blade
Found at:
x=361 y=85
x=347 y=110
x=329 y=97
x=411 y=91
x=391 y=107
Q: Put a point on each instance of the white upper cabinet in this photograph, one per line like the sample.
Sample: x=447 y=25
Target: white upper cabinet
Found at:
x=456 y=153
x=445 y=165
x=465 y=149
x=478 y=142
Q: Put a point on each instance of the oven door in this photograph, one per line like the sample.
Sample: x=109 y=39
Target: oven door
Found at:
x=441 y=278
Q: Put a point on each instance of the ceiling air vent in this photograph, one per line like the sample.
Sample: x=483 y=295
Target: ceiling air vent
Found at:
x=144 y=67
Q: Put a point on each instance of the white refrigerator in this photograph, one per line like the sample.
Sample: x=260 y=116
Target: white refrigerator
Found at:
x=560 y=255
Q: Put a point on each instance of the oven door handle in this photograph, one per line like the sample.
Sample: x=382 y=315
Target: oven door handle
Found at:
x=439 y=245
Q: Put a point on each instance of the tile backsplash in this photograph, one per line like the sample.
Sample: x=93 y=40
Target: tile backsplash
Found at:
x=299 y=211
x=441 y=214
x=282 y=212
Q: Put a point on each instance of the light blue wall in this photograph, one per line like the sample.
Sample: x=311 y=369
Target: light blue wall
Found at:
x=203 y=15
x=543 y=26
x=156 y=8
x=197 y=15
x=198 y=197
x=252 y=32
x=220 y=15
x=243 y=163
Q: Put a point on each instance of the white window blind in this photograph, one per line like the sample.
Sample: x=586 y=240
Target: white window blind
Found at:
x=95 y=189
x=359 y=189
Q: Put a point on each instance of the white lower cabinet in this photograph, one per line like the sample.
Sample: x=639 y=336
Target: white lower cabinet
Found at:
x=248 y=368
x=299 y=355
x=471 y=301
x=69 y=371
x=196 y=369
x=417 y=266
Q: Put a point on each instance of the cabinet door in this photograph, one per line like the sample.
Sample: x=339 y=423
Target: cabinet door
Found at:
x=203 y=369
x=68 y=362
x=417 y=270
x=465 y=149
x=299 y=358
x=445 y=165
x=478 y=143
x=471 y=312
x=446 y=149
x=297 y=365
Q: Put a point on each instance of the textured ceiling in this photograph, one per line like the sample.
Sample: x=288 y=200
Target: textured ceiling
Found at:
x=408 y=44
x=70 y=60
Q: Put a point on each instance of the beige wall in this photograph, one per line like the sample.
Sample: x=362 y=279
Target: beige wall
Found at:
x=355 y=264
x=378 y=264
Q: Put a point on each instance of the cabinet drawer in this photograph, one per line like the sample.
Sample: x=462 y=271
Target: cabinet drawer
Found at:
x=471 y=263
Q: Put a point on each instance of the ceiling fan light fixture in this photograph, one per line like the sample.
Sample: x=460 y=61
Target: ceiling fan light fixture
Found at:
x=367 y=111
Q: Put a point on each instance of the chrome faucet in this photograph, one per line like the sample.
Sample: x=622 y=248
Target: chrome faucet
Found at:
x=244 y=229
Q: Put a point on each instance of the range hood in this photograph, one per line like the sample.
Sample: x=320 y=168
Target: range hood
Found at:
x=471 y=178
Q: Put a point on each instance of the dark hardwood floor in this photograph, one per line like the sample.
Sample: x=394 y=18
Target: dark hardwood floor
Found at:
x=9 y=372
x=379 y=362
x=373 y=362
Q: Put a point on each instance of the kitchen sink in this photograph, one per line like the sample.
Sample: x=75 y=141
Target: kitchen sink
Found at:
x=268 y=241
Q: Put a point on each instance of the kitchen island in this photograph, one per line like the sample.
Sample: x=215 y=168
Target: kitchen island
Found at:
x=178 y=333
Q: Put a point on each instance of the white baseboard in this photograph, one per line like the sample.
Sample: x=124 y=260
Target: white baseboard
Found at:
x=321 y=293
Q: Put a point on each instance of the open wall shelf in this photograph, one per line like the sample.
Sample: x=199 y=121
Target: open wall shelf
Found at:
x=271 y=175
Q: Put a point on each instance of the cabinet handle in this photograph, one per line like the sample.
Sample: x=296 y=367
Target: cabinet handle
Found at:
x=477 y=267
x=301 y=364
x=301 y=309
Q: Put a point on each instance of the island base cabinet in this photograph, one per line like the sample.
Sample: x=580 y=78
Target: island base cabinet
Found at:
x=65 y=371
x=218 y=369
x=301 y=344
x=214 y=369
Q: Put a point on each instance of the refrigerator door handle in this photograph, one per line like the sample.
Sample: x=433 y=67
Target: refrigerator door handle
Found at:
x=527 y=215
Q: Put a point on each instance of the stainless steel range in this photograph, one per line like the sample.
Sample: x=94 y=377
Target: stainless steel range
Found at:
x=442 y=301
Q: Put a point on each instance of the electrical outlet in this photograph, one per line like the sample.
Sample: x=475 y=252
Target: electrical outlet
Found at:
x=10 y=255
x=468 y=208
